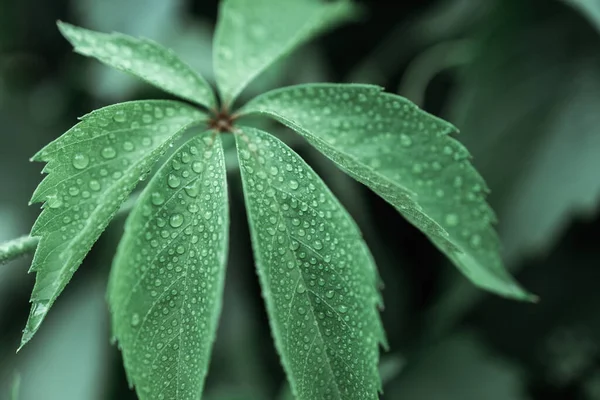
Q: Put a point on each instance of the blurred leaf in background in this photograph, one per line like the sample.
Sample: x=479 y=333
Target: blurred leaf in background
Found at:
x=461 y=367
x=16 y=387
x=590 y=8
x=527 y=108
x=71 y=359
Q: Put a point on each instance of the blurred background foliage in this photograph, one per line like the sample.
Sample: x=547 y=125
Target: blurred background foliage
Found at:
x=521 y=79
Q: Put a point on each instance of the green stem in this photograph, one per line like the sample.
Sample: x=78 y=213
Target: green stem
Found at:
x=17 y=247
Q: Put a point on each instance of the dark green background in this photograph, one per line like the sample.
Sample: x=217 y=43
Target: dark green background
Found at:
x=521 y=79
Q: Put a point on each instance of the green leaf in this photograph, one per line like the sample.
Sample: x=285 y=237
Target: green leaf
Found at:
x=589 y=8
x=92 y=169
x=535 y=142
x=539 y=152
x=406 y=156
x=167 y=279
x=463 y=367
x=317 y=275
x=143 y=58
x=16 y=387
x=72 y=347
x=165 y=22
x=389 y=368
x=251 y=35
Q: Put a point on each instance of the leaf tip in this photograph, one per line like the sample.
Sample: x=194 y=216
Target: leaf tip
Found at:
x=37 y=157
x=21 y=345
x=70 y=32
x=38 y=312
x=521 y=294
x=533 y=298
x=64 y=27
x=27 y=335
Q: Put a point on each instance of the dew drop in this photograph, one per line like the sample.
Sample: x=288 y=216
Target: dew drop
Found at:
x=475 y=240
x=417 y=168
x=192 y=190
x=94 y=185
x=245 y=154
x=135 y=319
x=120 y=116
x=342 y=309
x=80 y=161
x=128 y=146
x=157 y=198
x=197 y=167
x=176 y=220
x=53 y=201
x=108 y=152
x=452 y=219
x=300 y=289
x=173 y=181
x=293 y=184
x=405 y=140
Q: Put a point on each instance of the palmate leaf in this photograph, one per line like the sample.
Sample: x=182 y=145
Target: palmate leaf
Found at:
x=167 y=279
x=317 y=275
x=92 y=168
x=406 y=156
x=143 y=58
x=251 y=35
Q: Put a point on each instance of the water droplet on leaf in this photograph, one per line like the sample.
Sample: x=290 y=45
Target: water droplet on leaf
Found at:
x=108 y=152
x=157 y=198
x=173 y=181
x=80 y=161
x=176 y=220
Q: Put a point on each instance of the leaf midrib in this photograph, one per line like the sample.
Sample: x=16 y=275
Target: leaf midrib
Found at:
x=103 y=196
x=299 y=37
x=410 y=195
x=301 y=276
